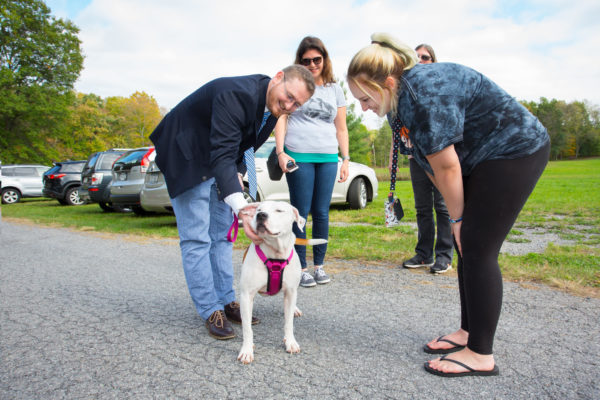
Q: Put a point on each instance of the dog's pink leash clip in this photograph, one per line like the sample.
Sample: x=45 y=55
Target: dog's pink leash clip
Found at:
x=233 y=228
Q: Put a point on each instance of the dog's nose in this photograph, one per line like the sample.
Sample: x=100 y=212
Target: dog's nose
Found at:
x=261 y=217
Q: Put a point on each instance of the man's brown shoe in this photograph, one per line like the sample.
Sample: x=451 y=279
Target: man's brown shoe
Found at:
x=219 y=327
x=232 y=310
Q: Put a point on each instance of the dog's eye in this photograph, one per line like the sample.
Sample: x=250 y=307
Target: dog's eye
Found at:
x=279 y=211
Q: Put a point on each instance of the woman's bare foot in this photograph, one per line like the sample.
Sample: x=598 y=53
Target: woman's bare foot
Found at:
x=478 y=362
x=459 y=337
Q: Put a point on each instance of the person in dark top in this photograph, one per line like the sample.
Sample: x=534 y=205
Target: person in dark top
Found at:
x=484 y=152
x=427 y=198
x=200 y=146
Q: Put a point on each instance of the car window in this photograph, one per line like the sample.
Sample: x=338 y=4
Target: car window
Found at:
x=264 y=150
x=53 y=170
x=92 y=160
x=26 y=171
x=72 y=167
x=133 y=157
x=108 y=160
x=7 y=171
x=41 y=170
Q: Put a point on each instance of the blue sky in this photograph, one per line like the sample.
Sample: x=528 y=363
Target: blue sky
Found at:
x=67 y=8
x=169 y=48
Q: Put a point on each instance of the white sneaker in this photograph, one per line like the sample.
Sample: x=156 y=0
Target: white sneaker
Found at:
x=307 y=280
x=321 y=277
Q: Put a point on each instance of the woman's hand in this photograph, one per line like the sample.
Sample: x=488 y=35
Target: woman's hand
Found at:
x=344 y=172
x=456 y=227
x=283 y=159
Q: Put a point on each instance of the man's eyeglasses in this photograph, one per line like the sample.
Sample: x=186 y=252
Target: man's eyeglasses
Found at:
x=424 y=57
x=316 y=60
x=291 y=98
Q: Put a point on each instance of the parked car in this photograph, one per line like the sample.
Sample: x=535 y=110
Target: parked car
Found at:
x=359 y=189
x=128 y=173
x=154 y=196
x=19 y=181
x=96 y=177
x=62 y=182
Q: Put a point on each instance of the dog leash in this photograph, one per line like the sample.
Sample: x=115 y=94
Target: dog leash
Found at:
x=392 y=206
x=233 y=229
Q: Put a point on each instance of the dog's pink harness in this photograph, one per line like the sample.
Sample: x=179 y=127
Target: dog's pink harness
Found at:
x=275 y=269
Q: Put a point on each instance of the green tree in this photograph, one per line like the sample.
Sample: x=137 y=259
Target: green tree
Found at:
x=132 y=119
x=40 y=60
x=142 y=115
x=358 y=135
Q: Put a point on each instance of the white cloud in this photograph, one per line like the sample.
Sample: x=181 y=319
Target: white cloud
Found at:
x=169 y=48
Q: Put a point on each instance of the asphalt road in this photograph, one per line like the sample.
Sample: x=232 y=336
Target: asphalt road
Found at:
x=86 y=315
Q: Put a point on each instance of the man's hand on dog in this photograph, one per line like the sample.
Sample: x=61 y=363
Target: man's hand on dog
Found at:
x=246 y=214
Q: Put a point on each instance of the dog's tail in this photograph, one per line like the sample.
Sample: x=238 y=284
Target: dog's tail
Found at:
x=309 y=242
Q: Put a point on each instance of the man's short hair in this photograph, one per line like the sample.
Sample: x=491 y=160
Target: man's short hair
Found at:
x=297 y=71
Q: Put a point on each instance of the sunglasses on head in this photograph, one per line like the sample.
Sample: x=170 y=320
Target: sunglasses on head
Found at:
x=424 y=57
x=316 y=60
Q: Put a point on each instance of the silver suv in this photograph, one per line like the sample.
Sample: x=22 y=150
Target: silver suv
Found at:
x=128 y=173
x=20 y=181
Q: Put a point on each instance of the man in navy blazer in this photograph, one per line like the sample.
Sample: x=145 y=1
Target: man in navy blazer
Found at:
x=200 y=147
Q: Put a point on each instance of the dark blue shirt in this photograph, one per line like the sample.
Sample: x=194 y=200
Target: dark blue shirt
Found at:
x=445 y=104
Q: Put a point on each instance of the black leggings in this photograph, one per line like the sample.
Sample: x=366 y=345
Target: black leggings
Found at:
x=495 y=193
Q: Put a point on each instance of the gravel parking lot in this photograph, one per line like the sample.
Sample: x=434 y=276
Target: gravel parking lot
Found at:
x=86 y=315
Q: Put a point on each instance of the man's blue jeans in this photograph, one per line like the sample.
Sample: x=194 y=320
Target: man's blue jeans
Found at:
x=203 y=222
x=427 y=197
x=310 y=191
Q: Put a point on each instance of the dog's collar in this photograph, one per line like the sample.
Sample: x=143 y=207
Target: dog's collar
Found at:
x=275 y=269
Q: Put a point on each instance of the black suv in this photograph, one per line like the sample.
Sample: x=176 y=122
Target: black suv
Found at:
x=62 y=182
x=96 y=177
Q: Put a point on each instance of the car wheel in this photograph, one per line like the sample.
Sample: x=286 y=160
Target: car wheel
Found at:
x=357 y=194
x=72 y=198
x=248 y=198
x=10 y=196
x=106 y=207
x=138 y=210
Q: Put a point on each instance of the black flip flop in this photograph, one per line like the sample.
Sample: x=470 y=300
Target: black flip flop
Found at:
x=470 y=371
x=456 y=347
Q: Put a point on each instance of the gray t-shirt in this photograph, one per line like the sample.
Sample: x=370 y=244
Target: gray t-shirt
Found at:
x=443 y=104
x=310 y=128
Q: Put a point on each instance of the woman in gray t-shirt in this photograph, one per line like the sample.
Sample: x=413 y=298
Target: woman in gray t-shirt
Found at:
x=310 y=137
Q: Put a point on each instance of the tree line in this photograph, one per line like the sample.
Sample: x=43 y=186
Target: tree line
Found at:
x=43 y=119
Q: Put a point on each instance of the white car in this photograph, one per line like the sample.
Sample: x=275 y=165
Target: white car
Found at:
x=359 y=189
x=154 y=196
x=18 y=181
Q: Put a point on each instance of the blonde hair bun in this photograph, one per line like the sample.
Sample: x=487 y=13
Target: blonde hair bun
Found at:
x=406 y=52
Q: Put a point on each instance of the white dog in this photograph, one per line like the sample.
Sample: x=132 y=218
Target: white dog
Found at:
x=273 y=222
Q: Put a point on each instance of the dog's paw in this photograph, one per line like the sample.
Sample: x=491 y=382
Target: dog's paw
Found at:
x=246 y=355
x=297 y=312
x=291 y=346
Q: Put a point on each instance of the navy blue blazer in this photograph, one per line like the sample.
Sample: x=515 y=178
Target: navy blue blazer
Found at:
x=206 y=134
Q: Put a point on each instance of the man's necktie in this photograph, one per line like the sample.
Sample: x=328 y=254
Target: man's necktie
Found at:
x=249 y=160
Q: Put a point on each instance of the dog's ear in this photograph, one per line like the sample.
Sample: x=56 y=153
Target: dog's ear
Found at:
x=300 y=221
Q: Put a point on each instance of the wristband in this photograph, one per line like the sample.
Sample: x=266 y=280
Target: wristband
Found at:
x=453 y=221
x=280 y=153
x=344 y=158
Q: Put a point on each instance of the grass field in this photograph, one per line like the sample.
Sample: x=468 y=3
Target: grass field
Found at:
x=566 y=197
